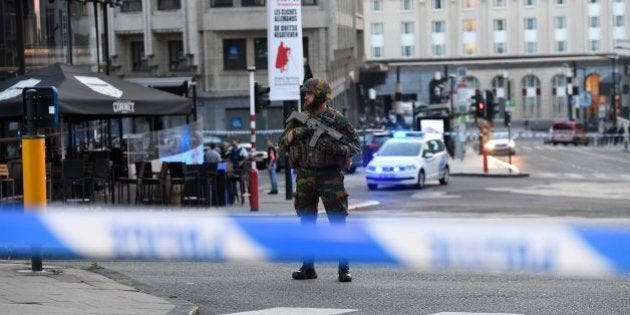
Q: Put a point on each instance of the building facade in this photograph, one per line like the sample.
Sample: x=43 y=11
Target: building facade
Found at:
x=215 y=42
x=535 y=49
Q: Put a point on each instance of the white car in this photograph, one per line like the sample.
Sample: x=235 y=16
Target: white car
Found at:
x=260 y=155
x=500 y=143
x=409 y=159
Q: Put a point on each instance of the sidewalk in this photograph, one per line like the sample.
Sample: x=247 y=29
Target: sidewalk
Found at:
x=472 y=165
x=62 y=290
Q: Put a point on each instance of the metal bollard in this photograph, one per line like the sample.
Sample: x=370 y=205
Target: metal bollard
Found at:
x=253 y=189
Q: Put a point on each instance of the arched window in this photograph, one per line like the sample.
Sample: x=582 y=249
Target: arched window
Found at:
x=531 y=97
x=560 y=98
x=472 y=82
x=499 y=87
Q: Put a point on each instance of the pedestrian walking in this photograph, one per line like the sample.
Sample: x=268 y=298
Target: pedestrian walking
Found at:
x=320 y=168
x=272 y=163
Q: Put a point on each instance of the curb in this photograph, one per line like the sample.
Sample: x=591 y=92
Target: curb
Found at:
x=516 y=175
x=182 y=307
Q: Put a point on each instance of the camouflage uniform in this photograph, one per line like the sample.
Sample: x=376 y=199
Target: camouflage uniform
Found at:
x=320 y=169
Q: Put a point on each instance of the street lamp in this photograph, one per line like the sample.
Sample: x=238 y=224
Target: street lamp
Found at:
x=569 y=93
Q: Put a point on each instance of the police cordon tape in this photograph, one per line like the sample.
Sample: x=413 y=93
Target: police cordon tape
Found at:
x=478 y=245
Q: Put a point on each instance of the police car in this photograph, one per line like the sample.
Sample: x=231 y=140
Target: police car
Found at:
x=409 y=158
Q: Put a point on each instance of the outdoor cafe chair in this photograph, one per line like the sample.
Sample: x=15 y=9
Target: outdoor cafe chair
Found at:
x=5 y=182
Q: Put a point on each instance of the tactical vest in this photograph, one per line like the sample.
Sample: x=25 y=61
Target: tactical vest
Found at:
x=303 y=156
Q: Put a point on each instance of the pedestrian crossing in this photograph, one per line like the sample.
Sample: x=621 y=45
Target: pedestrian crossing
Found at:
x=615 y=177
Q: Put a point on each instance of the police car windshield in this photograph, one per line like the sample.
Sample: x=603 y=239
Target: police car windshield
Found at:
x=393 y=148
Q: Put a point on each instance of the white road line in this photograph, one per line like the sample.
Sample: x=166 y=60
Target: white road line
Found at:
x=296 y=310
x=574 y=175
x=545 y=175
x=601 y=176
x=470 y=313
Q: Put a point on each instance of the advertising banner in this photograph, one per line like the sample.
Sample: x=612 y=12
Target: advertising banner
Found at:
x=286 y=59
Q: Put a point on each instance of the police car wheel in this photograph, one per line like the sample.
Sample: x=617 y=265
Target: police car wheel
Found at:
x=420 y=182
x=372 y=186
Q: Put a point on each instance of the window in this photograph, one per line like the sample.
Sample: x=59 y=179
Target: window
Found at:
x=221 y=3
x=377 y=52
x=437 y=26
x=376 y=5
x=619 y=21
x=376 y=28
x=169 y=5
x=260 y=53
x=234 y=54
x=593 y=22
x=439 y=50
x=499 y=25
x=531 y=47
x=529 y=3
x=559 y=84
x=560 y=22
x=176 y=60
x=499 y=3
x=593 y=1
x=309 y=2
x=137 y=56
x=438 y=4
x=131 y=6
x=530 y=24
x=593 y=45
x=561 y=46
x=253 y=3
x=407 y=51
x=406 y=5
x=469 y=4
x=470 y=25
x=499 y=48
x=407 y=28
x=470 y=48
x=561 y=2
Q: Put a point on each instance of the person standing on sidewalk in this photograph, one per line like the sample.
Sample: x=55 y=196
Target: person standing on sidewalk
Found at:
x=320 y=168
x=272 y=163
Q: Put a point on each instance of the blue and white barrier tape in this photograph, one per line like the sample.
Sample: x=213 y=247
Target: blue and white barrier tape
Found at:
x=525 y=245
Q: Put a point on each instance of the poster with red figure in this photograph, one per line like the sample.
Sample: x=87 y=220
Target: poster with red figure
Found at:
x=285 y=62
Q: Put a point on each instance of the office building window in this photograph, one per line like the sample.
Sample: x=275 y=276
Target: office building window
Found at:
x=221 y=3
x=593 y=22
x=560 y=2
x=619 y=21
x=406 y=5
x=407 y=28
x=407 y=51
x=499 y=3
x=253 y=3
x=531 y=47
x=169 y=5
x=593 y=1
x=377 y=52
x=234 y=54
x=499 y=48
x=470 y=25
x=437 y=26
x=530 y=24
x=470 y=49
x=438 y=4
x=561 y=46
x=499 y=25
x=593 y=45
x=469 y=4
x=260 y=53
x=529 y=3
x=131 y=6
x=559 y=84
x=176 y=59
x=138 y=62
x=559 y=22
x=376 y=5
x=439 y=50
x=309 y=2
x=376 y=28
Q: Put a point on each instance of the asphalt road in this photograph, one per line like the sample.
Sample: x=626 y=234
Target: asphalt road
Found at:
x=589 y=183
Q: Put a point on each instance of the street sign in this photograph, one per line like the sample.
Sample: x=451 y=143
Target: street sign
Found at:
x=586 y=99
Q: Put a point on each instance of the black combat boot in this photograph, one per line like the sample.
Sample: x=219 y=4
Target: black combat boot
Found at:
x=344 y=273
x=305 y=273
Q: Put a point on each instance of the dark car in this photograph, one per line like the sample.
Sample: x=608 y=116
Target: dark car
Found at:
x=566 y=132
x=371 y=141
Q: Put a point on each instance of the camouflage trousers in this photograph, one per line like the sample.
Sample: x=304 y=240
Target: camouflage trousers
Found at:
x=310 y=188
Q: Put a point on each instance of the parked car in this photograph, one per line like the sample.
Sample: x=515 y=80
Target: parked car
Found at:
x=566 y=132
x=411 y=159
x=371 y=142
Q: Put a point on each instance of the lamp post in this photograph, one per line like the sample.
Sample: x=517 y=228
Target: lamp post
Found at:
x=569 y=76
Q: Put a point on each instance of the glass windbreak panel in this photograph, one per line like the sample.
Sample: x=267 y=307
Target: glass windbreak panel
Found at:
x=400 y=149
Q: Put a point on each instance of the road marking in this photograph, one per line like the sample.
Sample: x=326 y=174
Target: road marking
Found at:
x=470 y=313
x=368 y=203
x=612 y=191
x=296 y=310
x=434 y=195
x=544 y=175
x=574 y=175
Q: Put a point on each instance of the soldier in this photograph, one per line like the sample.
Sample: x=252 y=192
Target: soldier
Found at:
x=319 y=169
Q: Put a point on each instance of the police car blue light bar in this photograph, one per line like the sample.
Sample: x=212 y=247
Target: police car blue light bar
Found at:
x=477 y=245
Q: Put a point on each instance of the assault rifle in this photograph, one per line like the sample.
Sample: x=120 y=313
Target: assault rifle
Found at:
x=320 y=128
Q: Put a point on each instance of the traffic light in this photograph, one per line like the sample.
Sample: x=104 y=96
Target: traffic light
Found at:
x=489 y=115
x=261 y=97
x=481 y=109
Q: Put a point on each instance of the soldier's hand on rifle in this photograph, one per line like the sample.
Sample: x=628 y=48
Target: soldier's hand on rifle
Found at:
x=299 y=133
